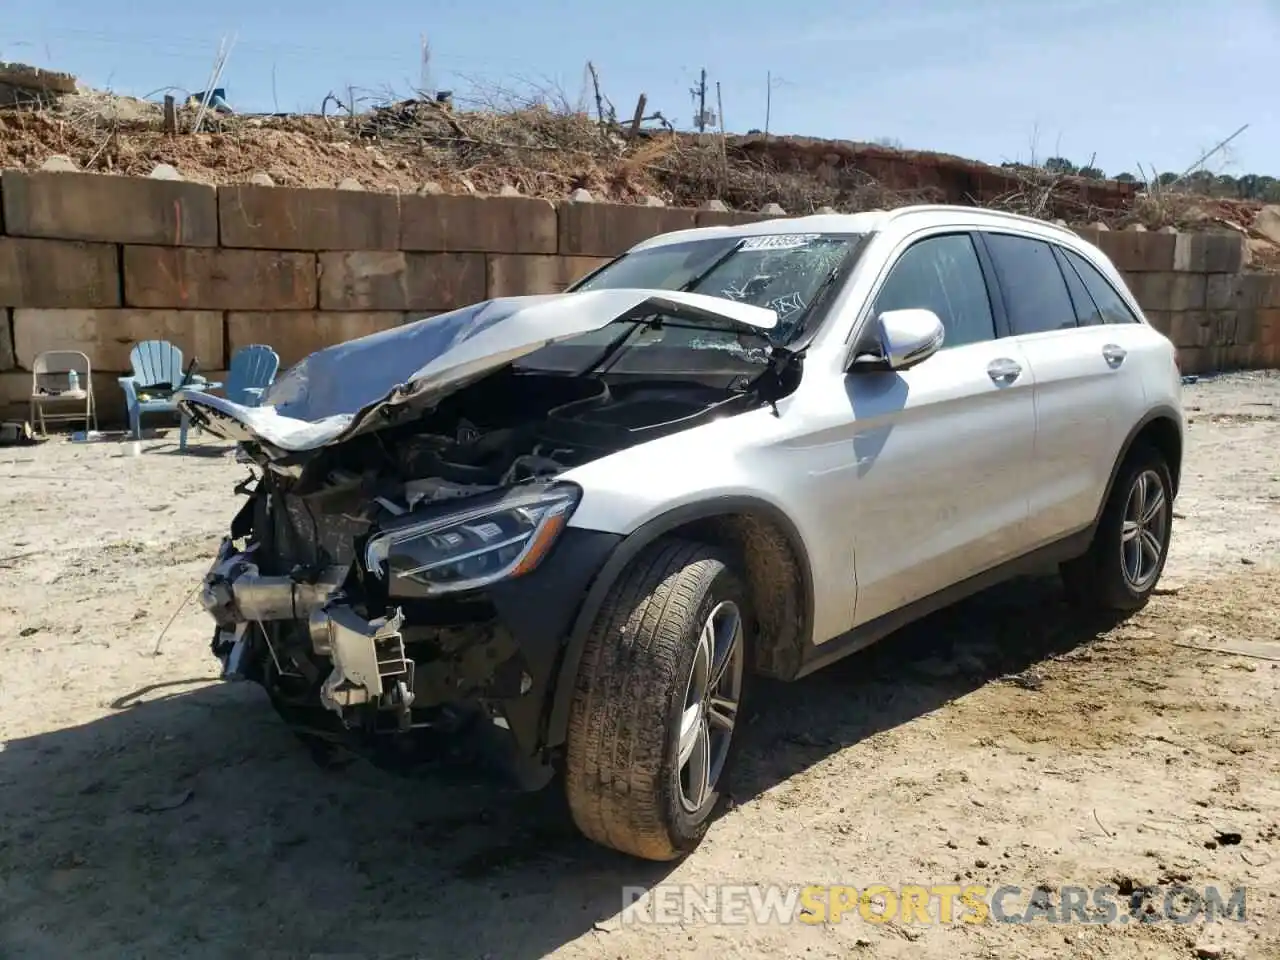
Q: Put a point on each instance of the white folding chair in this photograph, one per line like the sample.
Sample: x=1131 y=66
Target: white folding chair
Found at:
x=51 y=384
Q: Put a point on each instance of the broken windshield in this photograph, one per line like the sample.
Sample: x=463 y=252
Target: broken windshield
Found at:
x=784 y=272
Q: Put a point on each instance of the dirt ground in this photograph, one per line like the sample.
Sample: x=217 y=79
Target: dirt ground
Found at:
x=147 y=810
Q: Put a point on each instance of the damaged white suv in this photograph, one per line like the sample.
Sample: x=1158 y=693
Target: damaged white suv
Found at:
x=562 y=531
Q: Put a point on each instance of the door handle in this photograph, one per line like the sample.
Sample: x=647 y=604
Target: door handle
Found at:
x=1114 y=354
x=1003 y=370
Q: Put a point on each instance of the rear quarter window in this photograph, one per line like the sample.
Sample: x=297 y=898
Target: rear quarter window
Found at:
x=1110 y=304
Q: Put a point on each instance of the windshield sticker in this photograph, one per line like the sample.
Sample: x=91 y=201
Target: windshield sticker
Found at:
x=785 y=306
x=780 y=241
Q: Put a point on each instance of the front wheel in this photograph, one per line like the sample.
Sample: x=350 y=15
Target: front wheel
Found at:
x=1129 y=549
x=656 y=702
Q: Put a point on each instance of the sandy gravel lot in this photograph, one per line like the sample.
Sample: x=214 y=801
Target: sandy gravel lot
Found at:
x=148 y=811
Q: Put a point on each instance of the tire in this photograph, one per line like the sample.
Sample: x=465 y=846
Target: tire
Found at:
x=1102 y=578
x=626 y=786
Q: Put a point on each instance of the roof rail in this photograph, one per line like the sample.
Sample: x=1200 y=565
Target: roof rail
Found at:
x=960 y=208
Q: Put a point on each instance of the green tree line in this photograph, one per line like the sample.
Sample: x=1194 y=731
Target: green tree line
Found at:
x=1250 y=186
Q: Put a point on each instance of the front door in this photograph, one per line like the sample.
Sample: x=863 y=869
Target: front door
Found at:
x=943 y=448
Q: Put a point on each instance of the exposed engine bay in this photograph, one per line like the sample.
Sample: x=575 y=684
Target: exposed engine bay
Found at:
x=360 y=591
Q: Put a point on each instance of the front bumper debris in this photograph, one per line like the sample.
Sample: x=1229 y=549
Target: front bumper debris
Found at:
x=234 y=592
x=369 y=662
x=368 y=657
x=404 y=690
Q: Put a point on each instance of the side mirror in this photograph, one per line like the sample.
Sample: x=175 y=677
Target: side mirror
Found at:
x=903 y=338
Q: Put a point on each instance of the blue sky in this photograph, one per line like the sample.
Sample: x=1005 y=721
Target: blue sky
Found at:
x=1155 y=82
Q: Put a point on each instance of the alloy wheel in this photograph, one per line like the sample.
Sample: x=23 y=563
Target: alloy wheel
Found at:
x=1145 y=530
x=711 y=701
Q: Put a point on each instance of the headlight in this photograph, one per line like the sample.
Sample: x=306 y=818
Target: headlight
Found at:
x=462 y=550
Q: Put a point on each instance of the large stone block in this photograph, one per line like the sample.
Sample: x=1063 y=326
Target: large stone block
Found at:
x=1175 y=292
x=1193 y=328
x=294 y=335
x=94 y=206
x=1246 y=291
x=1088 y=235
x=449 y=224
x=1224 y=327
x=1241 y=356
x=107 y=336
x=1209 y=252
x=1161 y=320
x=218 y=279
x=726 y=218
x=1194 y=360
x=1135 y=251
x=280 y=218
x=58 y=273
x=7 y=359
x=1246 y=328
x=608 y=229
x=1267 y=325
x=372 y=280
x=514 y=275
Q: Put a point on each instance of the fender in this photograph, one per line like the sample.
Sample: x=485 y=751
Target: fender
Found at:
x=1162 y=412
x=626 y=551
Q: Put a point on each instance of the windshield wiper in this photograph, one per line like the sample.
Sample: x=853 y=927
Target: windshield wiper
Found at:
x=719 y=261
x=798 y=324
x=614 y=345
x=612 y=348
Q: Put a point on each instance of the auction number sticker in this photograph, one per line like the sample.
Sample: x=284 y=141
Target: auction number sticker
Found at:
x=780 y=241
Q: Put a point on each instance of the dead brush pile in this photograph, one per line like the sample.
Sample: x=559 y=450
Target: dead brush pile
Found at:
x=544 y=149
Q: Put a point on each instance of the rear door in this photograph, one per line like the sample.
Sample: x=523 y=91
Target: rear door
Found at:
x=1131 y=350
x=1082 y=396
x=943 y=447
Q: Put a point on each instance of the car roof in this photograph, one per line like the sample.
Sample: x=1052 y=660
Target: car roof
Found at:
x=873 y=221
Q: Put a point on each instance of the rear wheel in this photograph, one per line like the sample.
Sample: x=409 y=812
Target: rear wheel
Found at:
x=1129 y=549
x=656 y=702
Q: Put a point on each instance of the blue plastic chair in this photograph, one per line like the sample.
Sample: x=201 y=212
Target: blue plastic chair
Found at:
x=157 y=375
x=253 y=369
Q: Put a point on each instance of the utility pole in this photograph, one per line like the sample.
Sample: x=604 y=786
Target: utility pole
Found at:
x=702 y=102
x=770 y=83
x=700 y=91
x=768 y=101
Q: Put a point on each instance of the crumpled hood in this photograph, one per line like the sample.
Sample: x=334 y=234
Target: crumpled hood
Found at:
x=328 y=395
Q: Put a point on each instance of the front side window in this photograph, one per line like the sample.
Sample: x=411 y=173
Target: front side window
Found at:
x=1035 y=292
x=942 y=274
x=1110 y=304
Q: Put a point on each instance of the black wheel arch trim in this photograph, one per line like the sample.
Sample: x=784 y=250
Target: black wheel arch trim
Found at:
x=1162 y=412
x=628 y=549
